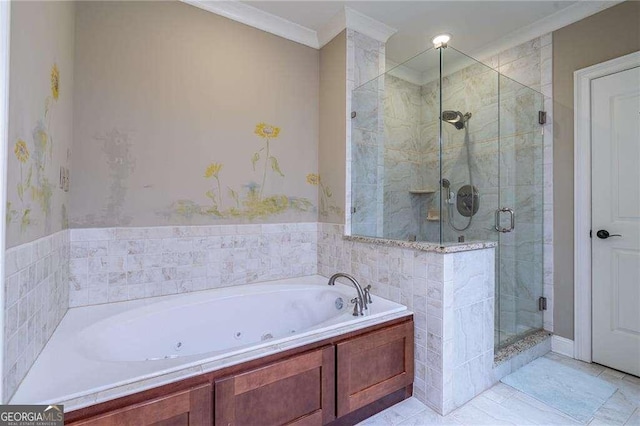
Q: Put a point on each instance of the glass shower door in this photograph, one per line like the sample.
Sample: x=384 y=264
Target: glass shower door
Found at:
x=519 y=270
x=491 y=144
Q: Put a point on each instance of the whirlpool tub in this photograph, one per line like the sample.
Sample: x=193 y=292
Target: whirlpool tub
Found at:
x=106 y=351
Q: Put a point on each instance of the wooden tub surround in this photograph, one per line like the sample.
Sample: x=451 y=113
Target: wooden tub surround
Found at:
x=337 y=381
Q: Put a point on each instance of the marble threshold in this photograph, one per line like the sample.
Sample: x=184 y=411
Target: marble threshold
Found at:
x=527 y=342
x=424 y=245
x=113 y=380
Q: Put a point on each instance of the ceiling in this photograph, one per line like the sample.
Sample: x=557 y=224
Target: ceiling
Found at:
x=473 y=24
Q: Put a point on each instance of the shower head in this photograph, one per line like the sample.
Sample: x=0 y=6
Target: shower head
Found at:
x=456 y=118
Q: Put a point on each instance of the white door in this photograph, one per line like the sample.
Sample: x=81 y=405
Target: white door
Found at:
x=615 y=195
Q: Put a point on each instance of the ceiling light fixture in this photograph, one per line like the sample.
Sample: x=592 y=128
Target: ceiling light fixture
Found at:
x=441 y=40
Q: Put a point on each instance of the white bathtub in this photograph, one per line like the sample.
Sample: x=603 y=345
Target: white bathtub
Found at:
x=107 y=351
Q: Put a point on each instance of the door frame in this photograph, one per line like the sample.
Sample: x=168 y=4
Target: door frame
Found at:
x=582 y=195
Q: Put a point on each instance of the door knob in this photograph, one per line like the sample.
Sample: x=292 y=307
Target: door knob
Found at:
x=604 y=234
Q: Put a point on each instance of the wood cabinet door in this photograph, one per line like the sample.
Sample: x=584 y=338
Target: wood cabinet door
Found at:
x=192 y=407
x=296 y=391
x=373 y=366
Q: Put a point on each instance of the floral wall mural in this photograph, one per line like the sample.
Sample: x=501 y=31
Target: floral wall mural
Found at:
x=34 y=186
x=40 y=122
x=220 y=130
x=24 y=212
x=326 y=204
x=251 y=201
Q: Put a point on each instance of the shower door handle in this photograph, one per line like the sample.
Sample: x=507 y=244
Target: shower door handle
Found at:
x=512 y=216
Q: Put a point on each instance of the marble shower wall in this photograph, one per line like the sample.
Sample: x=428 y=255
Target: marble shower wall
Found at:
x=404 y=153
x=473 y=89
x=365 y=152
x=460 y=324
x=546 y=81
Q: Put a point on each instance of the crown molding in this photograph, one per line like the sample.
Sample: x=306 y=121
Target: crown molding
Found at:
x=332 y=28
x=265 y=21
x=368 y=26
x=259 y=19
x=350 y=18
x=574 y=13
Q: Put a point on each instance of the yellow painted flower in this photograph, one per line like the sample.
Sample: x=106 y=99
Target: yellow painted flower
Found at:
x=313 y=178
x=265 y=130
x=42 y=137
x=55 y=82
x=21 y=151
x=212 y=170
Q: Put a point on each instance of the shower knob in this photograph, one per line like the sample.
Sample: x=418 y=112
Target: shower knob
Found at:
x=604 y=234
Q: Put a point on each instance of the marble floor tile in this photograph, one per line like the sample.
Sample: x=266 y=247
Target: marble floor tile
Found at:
x=616 y=411
x=598 y=422
x=504 y=405
x=629 y=378
x=429 y=417
x=377 y=420
x=614 y=373
x=592 y=369
x=469 y=414
x=625 y=386
x=537 y=412
x=634 y=420
x=501 y=413
x=397 y=414
x=499 y=392
x=409 y=407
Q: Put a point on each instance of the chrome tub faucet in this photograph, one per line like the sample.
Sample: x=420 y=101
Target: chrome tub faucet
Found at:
x=364 y=296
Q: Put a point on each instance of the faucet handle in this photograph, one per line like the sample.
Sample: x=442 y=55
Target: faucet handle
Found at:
x=356 y=307
x=367 y=294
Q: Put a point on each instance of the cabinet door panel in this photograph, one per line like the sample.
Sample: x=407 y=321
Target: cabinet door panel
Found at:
x=179 y=420
x=299 y=390
x=373 y=366
x=192 y=407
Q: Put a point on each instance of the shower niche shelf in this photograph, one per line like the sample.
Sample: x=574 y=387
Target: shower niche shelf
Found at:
x=422 y=191
x=433 y=215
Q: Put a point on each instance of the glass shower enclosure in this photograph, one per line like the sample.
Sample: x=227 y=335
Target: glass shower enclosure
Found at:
x=445 y=150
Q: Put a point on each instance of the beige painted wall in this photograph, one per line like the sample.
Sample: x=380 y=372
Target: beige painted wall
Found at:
x=165 y=90
x=40 y=119
x=609 y=34
x=332 y=149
